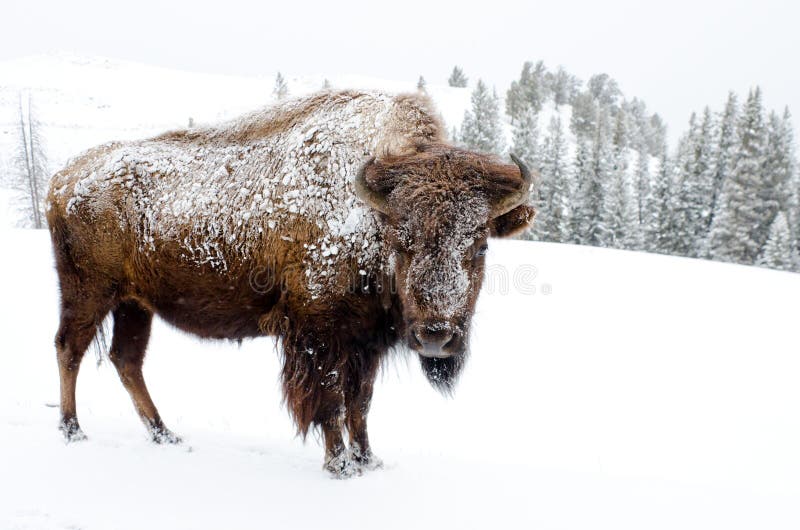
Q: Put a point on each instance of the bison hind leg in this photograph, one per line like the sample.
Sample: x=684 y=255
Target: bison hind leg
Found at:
x=80 y=321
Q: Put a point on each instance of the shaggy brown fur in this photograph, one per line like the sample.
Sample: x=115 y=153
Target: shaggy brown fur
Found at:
x=430 y=238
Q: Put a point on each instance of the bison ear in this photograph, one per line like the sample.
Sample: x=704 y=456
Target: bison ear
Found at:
x=513 y=222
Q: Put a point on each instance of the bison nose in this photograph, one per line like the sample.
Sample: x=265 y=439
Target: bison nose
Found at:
x=433 y=337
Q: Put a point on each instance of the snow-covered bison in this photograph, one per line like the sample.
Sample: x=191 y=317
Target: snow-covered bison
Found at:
x=342 y=223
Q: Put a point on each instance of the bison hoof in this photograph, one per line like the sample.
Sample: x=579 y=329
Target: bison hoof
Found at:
x=366 y=459
x=71 y=430
x=341 y=466
x=163 y=435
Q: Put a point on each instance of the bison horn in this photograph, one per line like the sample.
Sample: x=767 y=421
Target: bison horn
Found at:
x=365 y=193
x=520 y=196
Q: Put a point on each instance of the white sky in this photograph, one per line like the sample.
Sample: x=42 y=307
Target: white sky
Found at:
x=678 y=56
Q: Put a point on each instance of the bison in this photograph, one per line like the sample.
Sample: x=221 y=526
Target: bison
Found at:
x=342 y=223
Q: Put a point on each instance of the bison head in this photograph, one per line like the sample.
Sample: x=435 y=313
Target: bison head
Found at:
x=439 y=206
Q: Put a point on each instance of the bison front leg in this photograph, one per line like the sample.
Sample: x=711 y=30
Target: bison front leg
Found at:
x=337 y=459
x=358 y=397
x=314 y=393
x=131 y=334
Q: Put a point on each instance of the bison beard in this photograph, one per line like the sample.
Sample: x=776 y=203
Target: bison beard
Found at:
x=343 y=224
x=443 y=372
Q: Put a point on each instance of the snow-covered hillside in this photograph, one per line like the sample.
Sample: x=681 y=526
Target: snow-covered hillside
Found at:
x=606 y=389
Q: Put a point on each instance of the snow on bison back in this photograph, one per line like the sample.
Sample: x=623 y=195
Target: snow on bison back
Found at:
x=342 y=223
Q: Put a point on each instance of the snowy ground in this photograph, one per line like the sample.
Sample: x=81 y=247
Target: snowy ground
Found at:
x=610 y=390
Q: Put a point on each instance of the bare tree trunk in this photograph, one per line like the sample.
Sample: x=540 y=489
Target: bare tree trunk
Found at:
x=29 y=171
x=37 y=214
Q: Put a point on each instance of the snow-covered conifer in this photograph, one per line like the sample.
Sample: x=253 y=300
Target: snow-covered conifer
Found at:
x=780 y=251
x=604 y=90
x=529 y=91
x=726 y=145
x=563 y=85
x=620 y=229
x=553 y=216
x=658 y=229
x=481 y=129
x=580 y=176
x=592 y=200
x=744 y=213
x=525 y=139
x=684 y=207
x=281 y=89
x=457 y=78
x=642 y=184
x=584 y=115
x=705 y=159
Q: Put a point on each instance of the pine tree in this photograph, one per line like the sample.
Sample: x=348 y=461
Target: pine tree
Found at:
x=638 y=123
x=516 y=105
x=529 y=91
x=525 y=139
x=421 y=85
x=619 y=230
x=659 y=225
x=564 y=86
x=658 y=135
x=696 y=173
x=281 y=89
x=554 y=187
x=592 y=199
x=584 y=115
x=779 y=161
x=645 y=129
x=621 y=134
x=745 y=209
x=727 y=142
x=457 y=78
x=705 y=171
x=581 y=177
x=481 y=129
x=780 y=251
x=684 y=205
x=604 y=90
x=794 y=175
x=617 y=219
x=642 y=184
x=640 y=137
x=29 y=176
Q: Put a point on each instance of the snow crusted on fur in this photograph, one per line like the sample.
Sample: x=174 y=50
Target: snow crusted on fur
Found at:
x=220 y=191
x=439 y=274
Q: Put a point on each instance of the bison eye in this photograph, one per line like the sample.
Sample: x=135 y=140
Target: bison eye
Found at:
x=481 y=251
